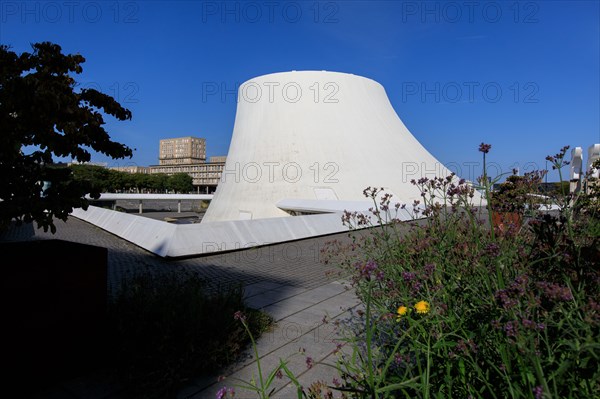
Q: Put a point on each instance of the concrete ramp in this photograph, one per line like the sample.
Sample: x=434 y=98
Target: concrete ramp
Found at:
x=171 y=240
x=152 y=235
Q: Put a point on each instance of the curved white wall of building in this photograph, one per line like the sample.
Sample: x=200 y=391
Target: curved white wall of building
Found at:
x=315 y=136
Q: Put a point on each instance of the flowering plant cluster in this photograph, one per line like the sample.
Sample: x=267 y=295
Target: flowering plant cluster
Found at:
x=455 y=310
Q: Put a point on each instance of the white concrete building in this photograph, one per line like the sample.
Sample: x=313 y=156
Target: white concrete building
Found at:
x=315 y=136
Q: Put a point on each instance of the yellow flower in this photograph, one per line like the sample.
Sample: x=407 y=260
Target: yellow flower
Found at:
x=402 y=310
x=422 y=307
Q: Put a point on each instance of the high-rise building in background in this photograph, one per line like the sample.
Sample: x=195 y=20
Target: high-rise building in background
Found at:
x=188 y=155
x=182 y=151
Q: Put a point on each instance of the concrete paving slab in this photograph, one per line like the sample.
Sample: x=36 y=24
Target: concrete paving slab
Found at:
x=268 y=285
x=323 y=292
x=253 y=290
x=289 y=291
x=335 y=305
x=281 y=310
x=274 y=296
x=263 y=300
x=309 y=321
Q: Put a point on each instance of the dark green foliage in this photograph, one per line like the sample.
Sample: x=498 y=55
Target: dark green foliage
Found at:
x=98 y=178
x=40 y=108
x=555 y=189
x=180 y=183
x=102 y=180
x=514 y=195
x=169 y=328
x=589 y=201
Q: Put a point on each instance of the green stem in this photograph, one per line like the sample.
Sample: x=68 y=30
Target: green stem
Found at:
x=369 y=352
x=488 y=199
x=428 y=370
x=540 y=375
x=260 y=376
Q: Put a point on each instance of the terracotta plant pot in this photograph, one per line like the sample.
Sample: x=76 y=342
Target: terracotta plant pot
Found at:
x=505 y=221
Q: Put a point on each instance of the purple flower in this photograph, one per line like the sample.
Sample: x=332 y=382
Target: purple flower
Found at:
x=415 y=287
x=509 y=297
x=492 y=249
x=221 y=393
x=485 y=148
x=309 y=362
x=555 y=292
x=538 y=392
x=239 y=316
x=367 y=269
x=466 y=347
x=510 y=329
x=528 y=324
x=429 y=269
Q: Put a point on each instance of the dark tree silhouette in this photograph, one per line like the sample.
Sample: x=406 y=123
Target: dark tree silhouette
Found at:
x=41 y=116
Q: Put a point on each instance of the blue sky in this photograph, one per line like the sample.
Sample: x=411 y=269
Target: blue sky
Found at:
x=523 y=76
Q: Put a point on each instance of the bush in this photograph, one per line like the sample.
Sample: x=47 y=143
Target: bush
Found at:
x=168 y=328
x=518 y=194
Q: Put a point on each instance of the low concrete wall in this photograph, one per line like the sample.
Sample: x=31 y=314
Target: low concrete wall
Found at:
x=241 y=234
x=170 y=240
x=152 y=235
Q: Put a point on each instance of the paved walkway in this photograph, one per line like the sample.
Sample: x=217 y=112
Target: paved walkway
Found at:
x=287 y=280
